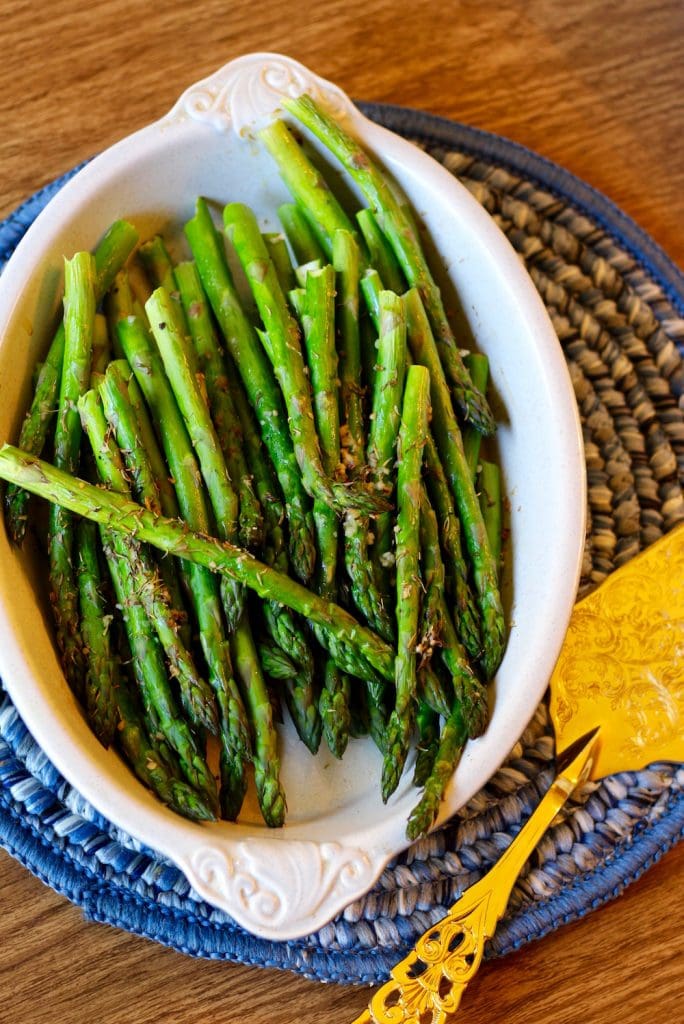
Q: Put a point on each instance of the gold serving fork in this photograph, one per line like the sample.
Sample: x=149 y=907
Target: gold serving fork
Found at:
x=617 y=704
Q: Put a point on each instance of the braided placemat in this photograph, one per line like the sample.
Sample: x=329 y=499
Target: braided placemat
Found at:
x=616 y=302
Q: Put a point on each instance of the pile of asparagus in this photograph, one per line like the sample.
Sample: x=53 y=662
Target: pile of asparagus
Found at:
x=311 y=462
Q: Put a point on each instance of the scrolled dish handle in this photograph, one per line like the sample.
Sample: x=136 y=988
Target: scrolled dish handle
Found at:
x=246 y=93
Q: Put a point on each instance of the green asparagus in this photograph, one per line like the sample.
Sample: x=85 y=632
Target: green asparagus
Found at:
x=300 y=234
x=362 y=571
x=196 y=696
x=398 y=227
x=181 y=371
x=212 y=366
x=427 y=721
x=478 y=368
x=305 y=183
x=79 y=322
x=143 y=757
x=285 y=352
x=101 y=680
x=277 y=249
x=318 y=317
x=257 y=377
x=354 y=648
x=265 y=742
x=387 y=396
x=467 y=614
x=110 y=255
x=450 y=446
x=412 y=436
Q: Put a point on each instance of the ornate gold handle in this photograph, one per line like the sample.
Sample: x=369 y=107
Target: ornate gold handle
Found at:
x=426 y=987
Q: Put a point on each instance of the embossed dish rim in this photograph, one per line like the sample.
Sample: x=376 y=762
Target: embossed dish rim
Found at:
x=282 y=885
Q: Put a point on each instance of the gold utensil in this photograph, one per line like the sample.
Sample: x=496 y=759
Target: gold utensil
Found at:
x=617 y=704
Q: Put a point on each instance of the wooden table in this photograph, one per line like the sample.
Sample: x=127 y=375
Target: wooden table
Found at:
x=596 y=87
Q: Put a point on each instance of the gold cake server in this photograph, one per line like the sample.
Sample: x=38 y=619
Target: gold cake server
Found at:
x=617 y=704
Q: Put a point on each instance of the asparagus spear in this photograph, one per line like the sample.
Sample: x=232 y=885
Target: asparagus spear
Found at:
x=468 y=617
x=150 y=446
x=300 y=274
x=150 y=374
x=149 y=370
x=371 y=287
x=467 y=720
x=489 y=483
x=118 y=304
x=233 y=729
x=137 y=279
x=427 y=721
x=431 y=625
x=101 y=680
x=111 y=253
x=356 y=649
x=360 y=567
x=300 y=234
x=412 y=435
x=211 y=365
x=150 y=671
x=465 y=683
x=450 y=447
x=306 y=183
x=451 y=742
x=178 y=358
x=277 y=250
x=285 y=352
x=478 y=368
x=102 y=347
x=285 y=630
x=196 y=696
x=432 y=691
x=151 y=675
x=334 y=708
x=265 y=482
x=275 y=661
x=387 y=394
x=155 y=259
x=346 y=260
x=468 y=689
x=79 y=322
x=319 y=339
x=124 y=421
x=382 y=258
x=282 y=624
x=257 y=377
x=266 y=760
x=399 y=230
x=467 y=614
x=143 y=757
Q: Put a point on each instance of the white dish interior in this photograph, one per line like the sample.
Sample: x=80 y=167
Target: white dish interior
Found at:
x=338 y=834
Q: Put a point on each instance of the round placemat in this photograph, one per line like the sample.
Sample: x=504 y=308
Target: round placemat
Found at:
x=616 y=302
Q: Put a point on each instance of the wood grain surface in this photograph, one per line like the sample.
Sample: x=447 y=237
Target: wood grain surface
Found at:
x=596 y=85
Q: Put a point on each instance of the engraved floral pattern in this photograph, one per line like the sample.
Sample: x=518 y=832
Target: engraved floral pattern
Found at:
x=249 y=90
x=621 y=664
x=270 y=892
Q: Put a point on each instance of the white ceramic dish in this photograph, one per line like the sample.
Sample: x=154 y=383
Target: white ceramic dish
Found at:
x=338 y=837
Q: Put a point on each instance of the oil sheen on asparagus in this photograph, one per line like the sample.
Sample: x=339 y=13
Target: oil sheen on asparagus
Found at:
x=276 y=488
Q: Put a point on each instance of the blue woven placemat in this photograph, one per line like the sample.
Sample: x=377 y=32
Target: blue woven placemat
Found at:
x=617 y=304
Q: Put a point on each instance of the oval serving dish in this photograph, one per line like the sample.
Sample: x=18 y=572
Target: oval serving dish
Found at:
x=338 y=837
